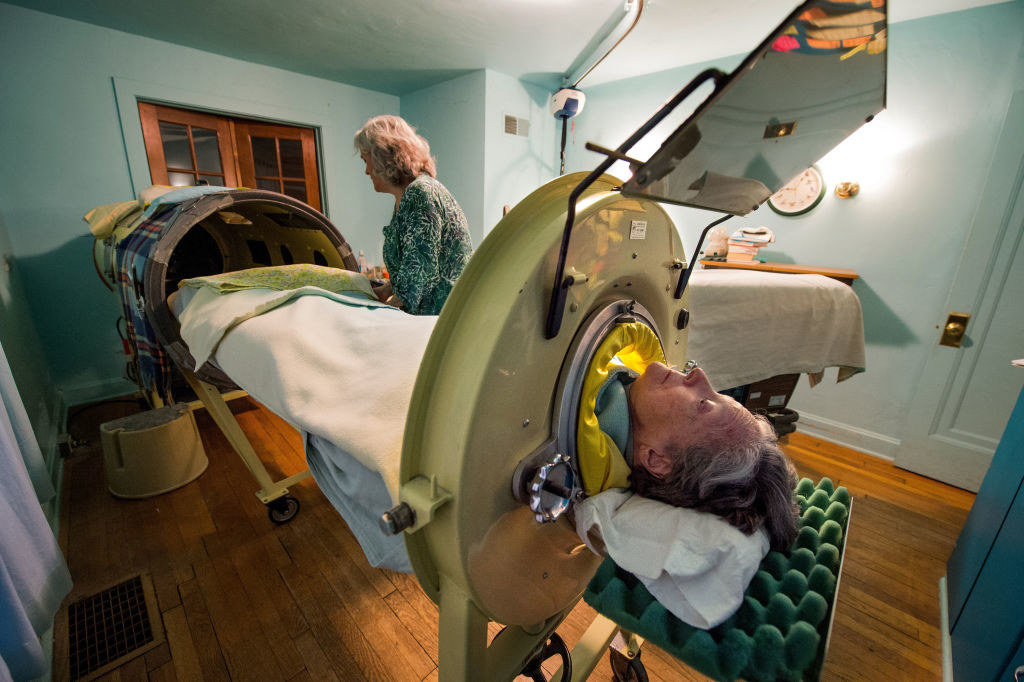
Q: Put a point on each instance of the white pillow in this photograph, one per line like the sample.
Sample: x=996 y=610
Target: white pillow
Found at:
x=694 y=563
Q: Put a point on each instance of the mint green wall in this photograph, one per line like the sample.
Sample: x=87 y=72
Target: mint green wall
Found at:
x=24 y=353
x=70 y=125
x=921 y=165
x=484 y=167
x=451 y=116
x=68 y=90
x=515 y=165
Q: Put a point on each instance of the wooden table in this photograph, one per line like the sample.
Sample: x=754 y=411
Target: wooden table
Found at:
x=844 y=275
x=776 y=391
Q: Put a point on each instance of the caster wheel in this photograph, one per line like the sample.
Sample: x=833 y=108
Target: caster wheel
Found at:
x=625 y=669
x=555 y=646
x=283 y=509
x=784 y=429
x=783 y=416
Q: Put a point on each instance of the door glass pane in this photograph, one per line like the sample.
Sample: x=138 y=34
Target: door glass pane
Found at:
x=291 y=158
x=176 y=151
x=181 y=179
x=264 y=155
x=207 y=150
x=295 y=189
x=216 y=180
x=272 y=185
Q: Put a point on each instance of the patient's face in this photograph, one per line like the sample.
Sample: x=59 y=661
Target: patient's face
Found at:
x=673 y=411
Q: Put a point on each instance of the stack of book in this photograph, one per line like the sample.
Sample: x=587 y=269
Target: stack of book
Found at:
x=744 y=243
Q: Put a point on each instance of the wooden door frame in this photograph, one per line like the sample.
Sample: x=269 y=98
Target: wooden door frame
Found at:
x=128 y=92
x=233 y=135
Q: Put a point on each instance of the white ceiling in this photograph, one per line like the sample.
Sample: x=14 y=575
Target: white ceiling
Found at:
x=399 y=46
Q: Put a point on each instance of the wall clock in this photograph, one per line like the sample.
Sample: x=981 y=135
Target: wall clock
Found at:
x=800 y=194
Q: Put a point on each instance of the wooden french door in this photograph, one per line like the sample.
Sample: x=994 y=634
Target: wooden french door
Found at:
x=187 y=148
x=278 y=158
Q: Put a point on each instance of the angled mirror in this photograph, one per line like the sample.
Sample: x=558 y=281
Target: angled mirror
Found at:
x=816 y=79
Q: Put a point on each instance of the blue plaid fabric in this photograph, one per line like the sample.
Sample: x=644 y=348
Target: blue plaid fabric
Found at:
x=131 y=256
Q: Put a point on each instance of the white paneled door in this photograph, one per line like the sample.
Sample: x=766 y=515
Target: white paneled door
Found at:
x=965 y=396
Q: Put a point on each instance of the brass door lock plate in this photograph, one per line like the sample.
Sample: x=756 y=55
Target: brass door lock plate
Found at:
x=956 y=327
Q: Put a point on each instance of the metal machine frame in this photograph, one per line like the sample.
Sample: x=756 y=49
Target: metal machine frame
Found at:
x=453 y=512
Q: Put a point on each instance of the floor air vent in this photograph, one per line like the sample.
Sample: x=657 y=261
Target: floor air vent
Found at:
x=111 y=627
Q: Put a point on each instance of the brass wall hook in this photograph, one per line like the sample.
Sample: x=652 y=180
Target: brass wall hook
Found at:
x=846 y=190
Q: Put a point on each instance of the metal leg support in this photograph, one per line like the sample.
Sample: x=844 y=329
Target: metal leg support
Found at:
x=589 y=650
x=462 y=636
x=213 y=401
x=463 y=652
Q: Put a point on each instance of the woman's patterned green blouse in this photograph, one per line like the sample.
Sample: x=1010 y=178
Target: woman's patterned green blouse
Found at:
x=426 y=246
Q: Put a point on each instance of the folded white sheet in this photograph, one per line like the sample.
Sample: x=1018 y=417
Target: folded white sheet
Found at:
x=215 y=313
x=746 y=326
x=694 y=563
x=337 y=368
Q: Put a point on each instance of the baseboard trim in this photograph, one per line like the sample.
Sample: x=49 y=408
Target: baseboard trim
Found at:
x=50 y=449
x=947 y=643
x=863 y=440
x=54 y=462
x=96 y=391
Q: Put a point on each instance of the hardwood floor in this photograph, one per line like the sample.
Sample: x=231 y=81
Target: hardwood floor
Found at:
x=243 y=599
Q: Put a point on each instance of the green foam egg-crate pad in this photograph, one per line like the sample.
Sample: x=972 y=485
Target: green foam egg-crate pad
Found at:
x=779 y=631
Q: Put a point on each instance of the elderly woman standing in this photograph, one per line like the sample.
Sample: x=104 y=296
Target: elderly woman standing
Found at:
x=427 y=242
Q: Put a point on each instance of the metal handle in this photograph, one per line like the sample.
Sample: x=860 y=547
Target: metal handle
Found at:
x=954 y=329
x=559 y=287
x=552 y=488
x=397 y=519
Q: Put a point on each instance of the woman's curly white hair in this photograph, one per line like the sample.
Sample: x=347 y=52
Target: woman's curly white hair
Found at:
x=397 y=152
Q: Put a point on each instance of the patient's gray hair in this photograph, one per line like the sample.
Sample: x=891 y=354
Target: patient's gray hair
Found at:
x=749 y=484
x=397 y=152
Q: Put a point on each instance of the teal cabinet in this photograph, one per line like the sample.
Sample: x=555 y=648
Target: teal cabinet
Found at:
x=985 y=571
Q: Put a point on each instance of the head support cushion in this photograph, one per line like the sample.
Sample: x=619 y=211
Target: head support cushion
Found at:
x=601 y=465
x=780 y=629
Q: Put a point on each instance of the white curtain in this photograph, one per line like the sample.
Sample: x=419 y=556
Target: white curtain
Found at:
x=34 y=577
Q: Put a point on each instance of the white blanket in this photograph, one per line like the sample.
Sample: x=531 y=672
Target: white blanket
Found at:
x=694 y=563
x=746 y=326
x=346 y=377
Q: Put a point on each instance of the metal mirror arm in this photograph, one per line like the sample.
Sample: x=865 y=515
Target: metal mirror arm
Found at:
x=681 y=285
x=561 y=283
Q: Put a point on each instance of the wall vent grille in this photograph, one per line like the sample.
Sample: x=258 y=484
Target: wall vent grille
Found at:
x=517 y=126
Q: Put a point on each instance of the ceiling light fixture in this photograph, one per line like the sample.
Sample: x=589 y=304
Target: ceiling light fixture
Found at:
x=632 y=10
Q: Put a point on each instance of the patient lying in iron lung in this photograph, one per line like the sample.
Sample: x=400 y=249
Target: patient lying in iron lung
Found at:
x=695 y=492
x=689 y=446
